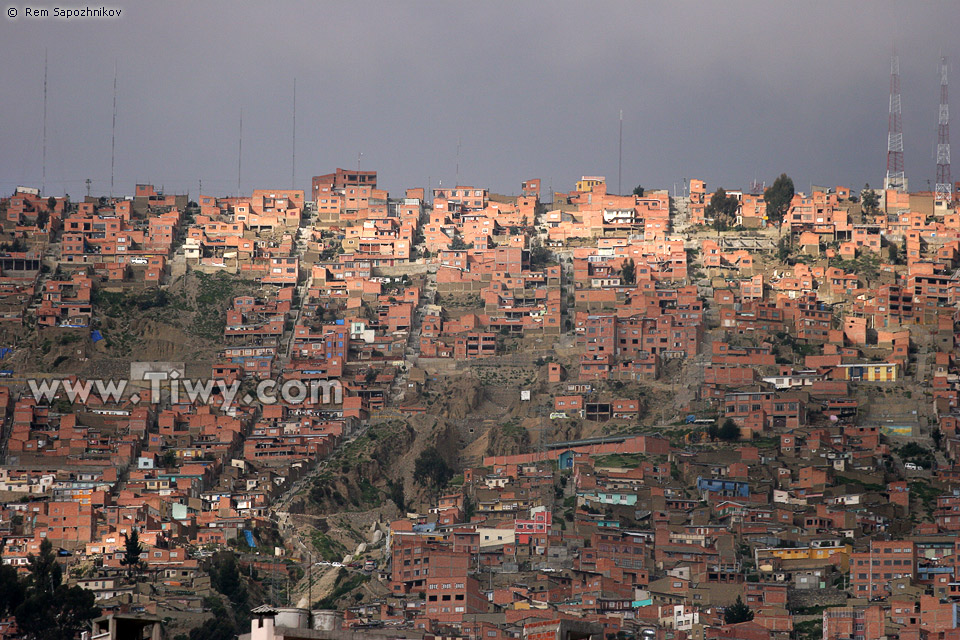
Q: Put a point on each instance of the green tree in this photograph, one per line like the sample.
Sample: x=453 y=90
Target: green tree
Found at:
x=638 y=191
x=131 y=553
x=12 y=590
x=45 y=573
x=225 y=578
x=778 y=197
x=51 y=610
x=42 y=218
x=723 y=209
x=869 y=200
x=55 y=616
x=737 y=612
x=937 y=436
x=713 y=431
x=457 y=244
x=784 y=248
x=215 y=629
x=469 y=508
x=896 y=256
x=540 y=256
x=169 y=459
x=431 y=470
x=628 y=273
x=729 y=431
x=395 y=493
x=222 y=626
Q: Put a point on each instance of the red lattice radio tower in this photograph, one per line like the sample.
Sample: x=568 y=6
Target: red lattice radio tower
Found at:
x=895 y=176
x=944 y=182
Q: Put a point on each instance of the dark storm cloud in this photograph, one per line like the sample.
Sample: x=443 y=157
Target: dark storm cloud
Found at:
x=723 y=91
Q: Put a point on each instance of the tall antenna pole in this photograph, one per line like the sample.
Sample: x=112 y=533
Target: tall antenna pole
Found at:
x=620 y=164
x=293 y=169
x=113 y=128
x=240 y=153
x=944 y=182
x=895 y=176
x=43 y=182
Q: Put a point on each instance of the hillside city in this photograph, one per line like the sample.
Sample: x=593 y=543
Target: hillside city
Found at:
x=688 y=414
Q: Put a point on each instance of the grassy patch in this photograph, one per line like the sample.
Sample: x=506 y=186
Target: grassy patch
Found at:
x=809 y=630
x=926 y=494
x=343 y=586
x=866 y=486
x=327 y=547
x=621 y=460
x=212 y=295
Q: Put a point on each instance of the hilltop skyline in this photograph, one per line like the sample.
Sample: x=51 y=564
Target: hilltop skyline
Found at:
x=751 y=92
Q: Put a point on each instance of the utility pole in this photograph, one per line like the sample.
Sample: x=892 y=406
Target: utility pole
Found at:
x=43 y=182
x=240 y=153
x=620 y=164
x=113 y=129
x=293 y=153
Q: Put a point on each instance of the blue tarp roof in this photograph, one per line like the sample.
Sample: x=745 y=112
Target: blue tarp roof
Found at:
x=95 y=336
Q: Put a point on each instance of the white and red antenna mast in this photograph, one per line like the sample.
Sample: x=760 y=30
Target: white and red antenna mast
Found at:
x=895 y=176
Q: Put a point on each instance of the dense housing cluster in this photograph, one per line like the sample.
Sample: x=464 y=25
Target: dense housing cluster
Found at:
x=725 y=415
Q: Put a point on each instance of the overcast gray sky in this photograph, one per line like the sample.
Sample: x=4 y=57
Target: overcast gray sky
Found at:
x=723 y=91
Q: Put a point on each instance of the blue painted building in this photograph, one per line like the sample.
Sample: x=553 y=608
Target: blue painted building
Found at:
x=723 y=487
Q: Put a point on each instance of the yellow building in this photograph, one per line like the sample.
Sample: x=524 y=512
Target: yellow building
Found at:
x=870 y=372
x=587 y=183
x=822 y=553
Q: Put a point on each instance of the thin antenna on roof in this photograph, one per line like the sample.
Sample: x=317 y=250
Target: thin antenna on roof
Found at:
x=458 y=163
x=113 y=128
x=293 y=169
x=620 y=165
x=240 y=153
x=43 y=182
